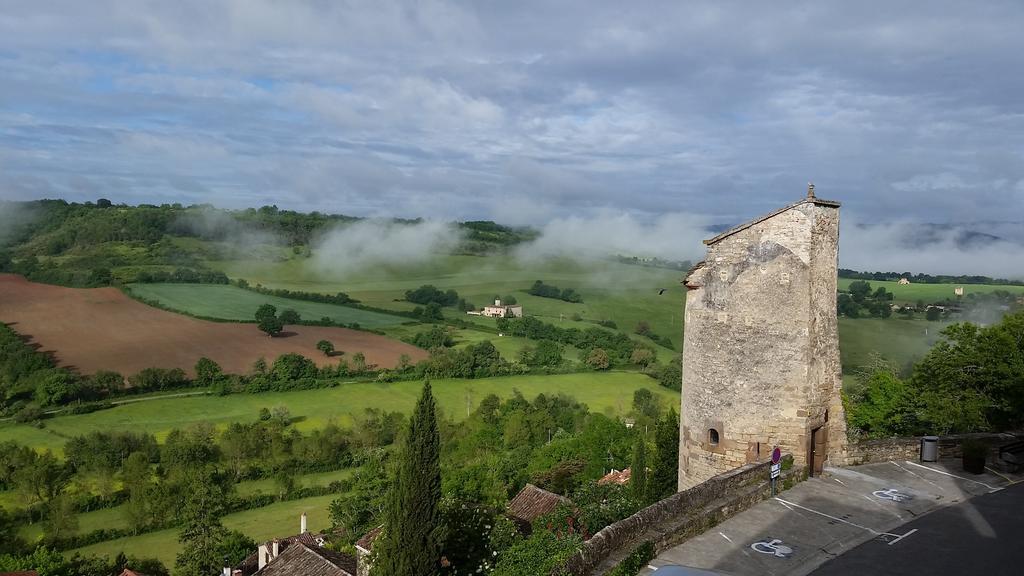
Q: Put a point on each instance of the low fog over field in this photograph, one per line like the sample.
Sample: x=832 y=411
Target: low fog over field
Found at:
x=371 y=243
x=896 y=246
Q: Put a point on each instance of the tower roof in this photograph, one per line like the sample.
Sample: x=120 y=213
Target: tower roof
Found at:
x=811 y=199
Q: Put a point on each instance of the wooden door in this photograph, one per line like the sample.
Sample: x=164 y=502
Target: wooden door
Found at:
x=819 y=449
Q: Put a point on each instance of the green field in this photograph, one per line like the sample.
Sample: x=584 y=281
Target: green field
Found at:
x=625 y=294
x=898 y=340
x=610 y=392
x=233 y=303
x=911 y=293
x=261 y=524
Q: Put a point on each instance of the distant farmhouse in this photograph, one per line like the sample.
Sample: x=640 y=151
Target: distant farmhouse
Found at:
x=499 y=310
x=904 y=281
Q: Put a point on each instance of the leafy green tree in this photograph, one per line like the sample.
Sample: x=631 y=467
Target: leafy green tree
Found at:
x=61 y=518
x=359 y=363
x=538 y=554
x=410 y=543
x=642 y=357
x=55 y=387
x=882 y=404
x=326 y=347
x=208 y=372
x=859 y=290
x=42 y=477
x=645 y=403
x=10 y=541
x=638 y=471
x=435 y=337
x=598 y=359
x=289 y=367
x=545 y=353
x=266 y=311
x=933 y=314
x=235 y=547
x=290 y=316
x=643 y=328
x=359 y=509
x=202 y=536
x=101 y=277
x=271 y=325
x=664 y=477
x=284 y=481
x=42 y=560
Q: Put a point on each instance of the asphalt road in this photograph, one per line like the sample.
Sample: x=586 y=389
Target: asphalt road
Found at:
x=981 y=536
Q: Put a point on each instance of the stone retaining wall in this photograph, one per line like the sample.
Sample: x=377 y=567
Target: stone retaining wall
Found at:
x=910 y=448
x=678 y=517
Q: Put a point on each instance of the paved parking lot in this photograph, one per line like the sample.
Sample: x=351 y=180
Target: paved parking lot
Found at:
x=821 y=518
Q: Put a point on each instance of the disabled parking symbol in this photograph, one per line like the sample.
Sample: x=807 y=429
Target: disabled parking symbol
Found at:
x=772 y=546
x=892 y=494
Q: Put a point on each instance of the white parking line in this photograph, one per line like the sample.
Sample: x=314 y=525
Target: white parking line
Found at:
x=897 y=537
x=902 y=537
x=917 y=475
x=953 y=475
x=830 y=517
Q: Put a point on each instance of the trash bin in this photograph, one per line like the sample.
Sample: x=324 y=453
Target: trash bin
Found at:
x=929 y=449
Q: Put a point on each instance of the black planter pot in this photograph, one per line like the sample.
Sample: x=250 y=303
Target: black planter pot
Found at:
x=973 y=463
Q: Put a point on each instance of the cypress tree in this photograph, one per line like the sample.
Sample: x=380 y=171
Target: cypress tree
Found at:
x=638 y=475
x=665 y=477
x=409 y=545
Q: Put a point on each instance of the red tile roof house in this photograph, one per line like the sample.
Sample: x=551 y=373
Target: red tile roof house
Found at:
x=532 y=503
x=620 y=477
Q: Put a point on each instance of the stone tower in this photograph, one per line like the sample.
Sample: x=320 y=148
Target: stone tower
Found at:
x=761 y=345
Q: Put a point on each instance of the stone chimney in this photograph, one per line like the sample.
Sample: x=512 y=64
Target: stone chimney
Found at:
x=277 y=549
x=263 y=556
x=497 y=302
x=302 y=524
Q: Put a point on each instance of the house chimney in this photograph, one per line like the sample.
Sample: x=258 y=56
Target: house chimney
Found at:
x=302 y=524
x=263 y=556
x=277 y=549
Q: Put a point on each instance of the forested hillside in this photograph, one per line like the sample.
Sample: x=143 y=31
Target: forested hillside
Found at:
x=92 y=244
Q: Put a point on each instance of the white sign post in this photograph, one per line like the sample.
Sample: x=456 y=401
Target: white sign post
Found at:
x=776 y=469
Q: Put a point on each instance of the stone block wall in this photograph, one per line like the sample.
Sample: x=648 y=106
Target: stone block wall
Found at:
x=678 y=517
x=760 y=348
x=909 y=448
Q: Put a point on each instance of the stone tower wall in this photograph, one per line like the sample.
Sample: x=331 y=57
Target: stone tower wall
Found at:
x=760 y=348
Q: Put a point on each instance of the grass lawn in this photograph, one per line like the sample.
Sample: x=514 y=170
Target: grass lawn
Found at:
x=625 y=294
x=267 y=486
x=931 y=292
x=233 y=303
x=603 y=392
x=261 y=524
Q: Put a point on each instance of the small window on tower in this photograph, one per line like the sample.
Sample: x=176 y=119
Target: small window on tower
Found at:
x=713 y=436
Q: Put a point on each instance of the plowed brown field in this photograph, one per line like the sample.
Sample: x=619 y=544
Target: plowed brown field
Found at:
x=102 y=329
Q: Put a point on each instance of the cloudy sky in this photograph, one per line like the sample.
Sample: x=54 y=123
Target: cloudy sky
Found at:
x=518 y=111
